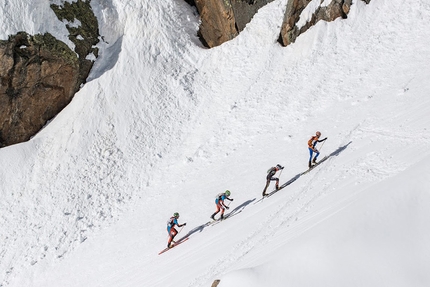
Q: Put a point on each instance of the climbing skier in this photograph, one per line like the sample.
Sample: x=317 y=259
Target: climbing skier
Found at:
x=171 y=229
x=270 y=173
x=220 y=206
x=312 y=142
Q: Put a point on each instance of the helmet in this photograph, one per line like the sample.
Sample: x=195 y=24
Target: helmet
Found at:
x=278 y=166
x=227 y=192
x=318 y=134
x=176 y=214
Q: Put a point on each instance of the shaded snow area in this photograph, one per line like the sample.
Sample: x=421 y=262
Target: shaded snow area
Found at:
x=164 y=125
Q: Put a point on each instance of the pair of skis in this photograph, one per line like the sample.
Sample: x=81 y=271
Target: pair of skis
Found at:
x=316 y=164
x=216 y=221
x=212 y=222
x=176 y=244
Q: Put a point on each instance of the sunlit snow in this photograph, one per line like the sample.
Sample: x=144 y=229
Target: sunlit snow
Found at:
x=164 y=125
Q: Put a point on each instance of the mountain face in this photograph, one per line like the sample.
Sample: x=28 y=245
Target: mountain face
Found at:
x=40 y=75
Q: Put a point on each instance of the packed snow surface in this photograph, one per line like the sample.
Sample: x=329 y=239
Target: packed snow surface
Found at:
x=164 y=125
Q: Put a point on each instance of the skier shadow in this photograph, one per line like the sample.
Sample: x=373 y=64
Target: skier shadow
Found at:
x=200 y=228
x=289 y=182
x=339 y=150
x=335 y=153
x=239 y=208
x=282 y=186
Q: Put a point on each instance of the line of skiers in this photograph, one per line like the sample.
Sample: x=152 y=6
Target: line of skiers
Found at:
x=220 y=198
x=173 y=221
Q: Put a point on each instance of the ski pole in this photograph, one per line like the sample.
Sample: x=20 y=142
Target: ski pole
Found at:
x=322 y=145
x=180 y=230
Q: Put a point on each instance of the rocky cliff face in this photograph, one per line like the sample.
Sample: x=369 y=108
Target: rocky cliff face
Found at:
x=222 y=20
x=39 y=74
x=290 y=31
x=84 y=35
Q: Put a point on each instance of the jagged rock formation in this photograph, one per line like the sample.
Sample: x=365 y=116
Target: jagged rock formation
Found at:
x=83 y=32
x=39 y=74
x=290 y=31
x=218 y=25
x=222 y=20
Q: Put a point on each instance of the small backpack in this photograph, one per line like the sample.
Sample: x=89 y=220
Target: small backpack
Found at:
x=170 y=221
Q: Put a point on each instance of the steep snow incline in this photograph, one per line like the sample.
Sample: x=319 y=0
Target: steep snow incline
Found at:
x=102 y=151
x=170 y=124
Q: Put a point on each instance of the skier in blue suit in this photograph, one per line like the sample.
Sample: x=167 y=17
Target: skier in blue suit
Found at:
x=220 y=206
x=172 y=230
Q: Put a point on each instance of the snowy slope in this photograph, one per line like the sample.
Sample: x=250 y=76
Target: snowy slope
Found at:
x=165 y=125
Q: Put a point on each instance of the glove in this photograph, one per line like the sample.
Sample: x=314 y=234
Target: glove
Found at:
x=231 y=199
x=324 y=139
x=227 y=207
x=184 y=224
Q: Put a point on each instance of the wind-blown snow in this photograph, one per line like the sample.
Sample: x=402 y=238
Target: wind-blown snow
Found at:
x=164 y=125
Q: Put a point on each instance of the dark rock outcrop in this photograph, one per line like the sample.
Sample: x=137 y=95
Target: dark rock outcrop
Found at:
x=222 y=20
x=244 y=10
x=85 y=34
x=39 y=76
x=217 y=22
x=290 y=31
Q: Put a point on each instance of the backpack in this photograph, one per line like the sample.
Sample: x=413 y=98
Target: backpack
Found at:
x=170 y=221
x=219 y=196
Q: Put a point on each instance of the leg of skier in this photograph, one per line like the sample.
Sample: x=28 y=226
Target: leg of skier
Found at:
x=317 y=153
x=311 y=152
x=265 y=188
x=218 y=208
x=172 y=234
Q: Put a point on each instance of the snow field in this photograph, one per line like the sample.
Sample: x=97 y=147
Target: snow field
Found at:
x=165 y=125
